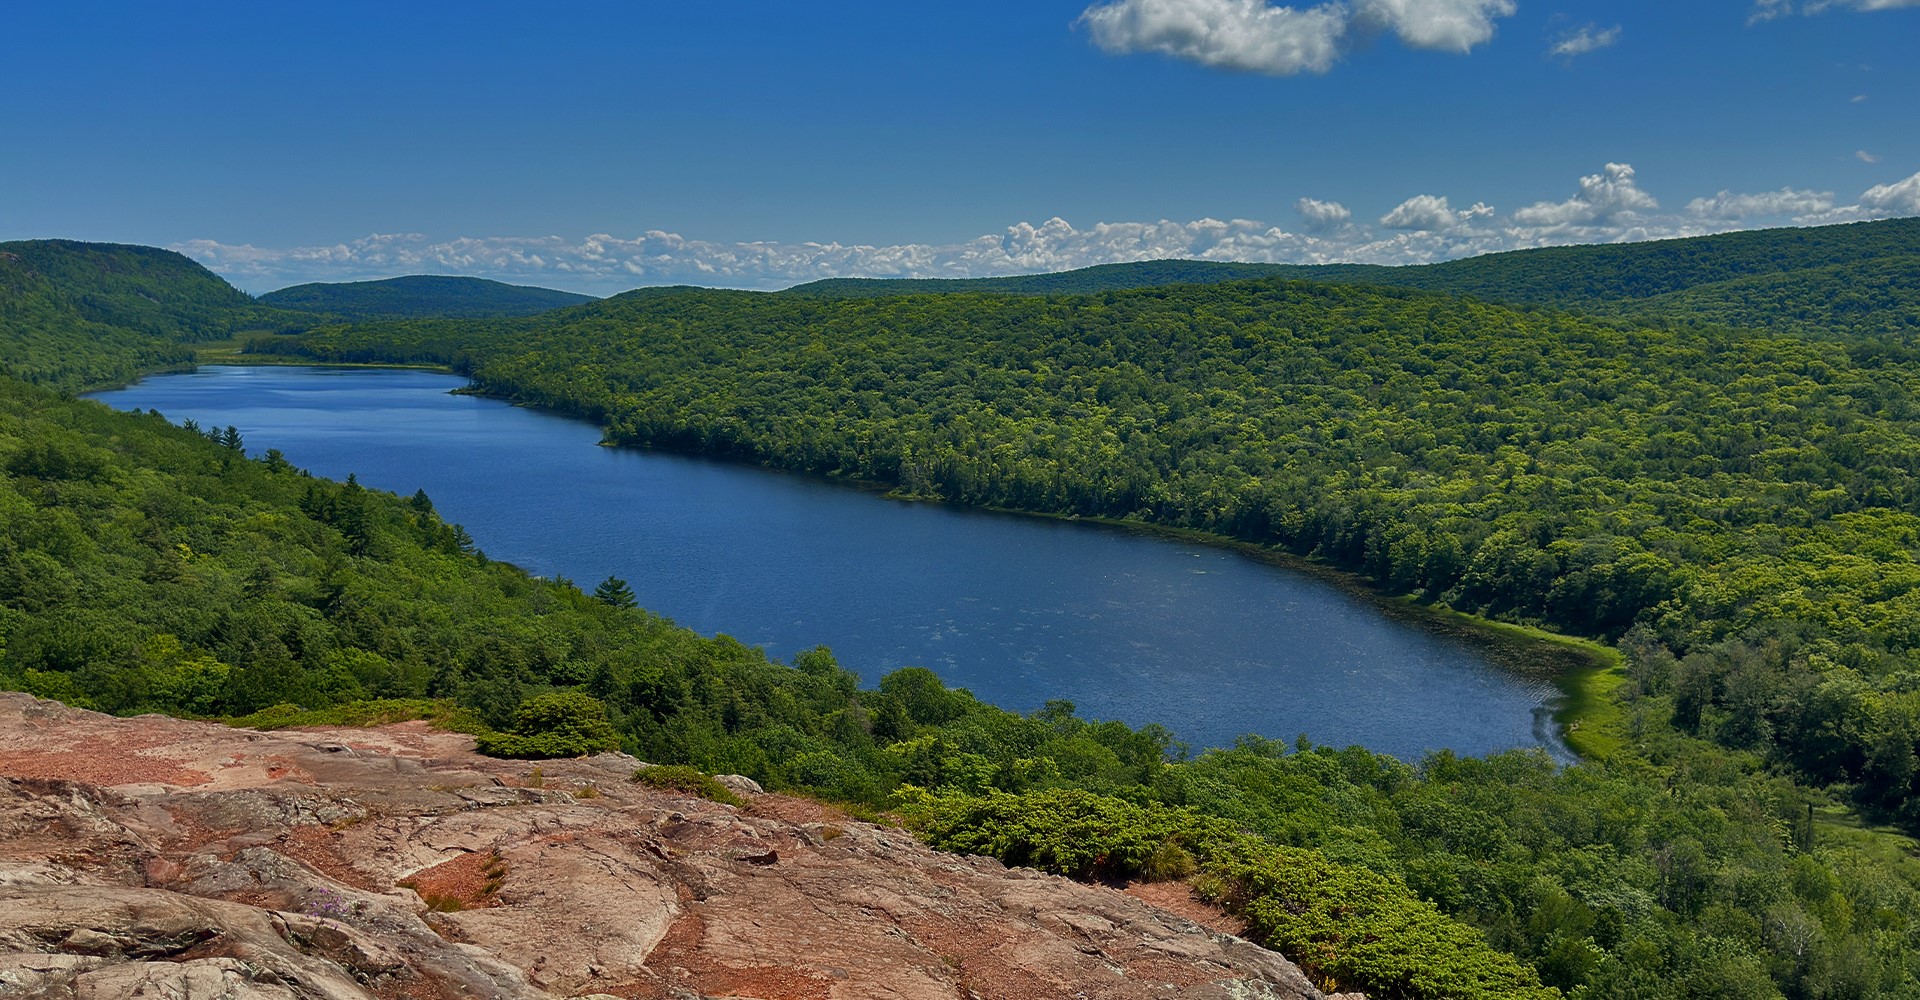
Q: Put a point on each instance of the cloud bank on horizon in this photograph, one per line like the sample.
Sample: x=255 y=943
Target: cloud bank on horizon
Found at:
x=1608 y=206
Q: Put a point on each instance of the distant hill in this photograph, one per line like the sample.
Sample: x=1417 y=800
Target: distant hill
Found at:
x=147 y=289
x=1609 y=276
x=1100 y=278
x=76 y=314
x=422 y=296
x=1877 y=299
x=1578 y=275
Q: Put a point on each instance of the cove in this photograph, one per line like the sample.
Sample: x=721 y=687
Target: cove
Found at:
x=1209 y=642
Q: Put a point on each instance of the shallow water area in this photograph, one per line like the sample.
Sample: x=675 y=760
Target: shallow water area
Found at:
x=1210 y=642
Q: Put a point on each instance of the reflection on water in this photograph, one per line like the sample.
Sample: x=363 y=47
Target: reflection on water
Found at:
x=1208 y=642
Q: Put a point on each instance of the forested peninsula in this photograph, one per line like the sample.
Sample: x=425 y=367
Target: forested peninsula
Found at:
x=1729 y=501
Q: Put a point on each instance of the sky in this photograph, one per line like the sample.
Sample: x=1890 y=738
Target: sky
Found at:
x=598 y=147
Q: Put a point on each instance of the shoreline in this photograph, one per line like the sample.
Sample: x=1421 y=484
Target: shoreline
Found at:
x=1584 y=671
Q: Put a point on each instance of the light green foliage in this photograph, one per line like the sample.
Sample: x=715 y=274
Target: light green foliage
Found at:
x=557 y=724
x=1347 y=927
x=1592 y=872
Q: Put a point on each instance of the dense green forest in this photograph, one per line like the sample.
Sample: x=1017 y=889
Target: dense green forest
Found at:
x=1606 y=274
x=1871 y=302
x=420 y=295
x=1732 y=507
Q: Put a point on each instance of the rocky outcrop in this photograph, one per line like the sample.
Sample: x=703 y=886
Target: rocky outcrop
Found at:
x=153 y=857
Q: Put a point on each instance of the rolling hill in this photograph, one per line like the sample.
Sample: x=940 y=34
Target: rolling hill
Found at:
x=1606 y=278
x=421 y=295
x=76 y=314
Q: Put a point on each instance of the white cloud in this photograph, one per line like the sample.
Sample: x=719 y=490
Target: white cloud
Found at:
x=1766 y=205
x=1320 y=216
x=1899 y=198
x=1767 y=10
x=1881 y=201
x=1282 y=40
x=1609 y=207
x=1583 y=40
x=1865 y=157
x=1422 y=211
x=1450 y=25
x=1602 y=197
x=1821 y=5
x=1249 y=35
x=1428 y=213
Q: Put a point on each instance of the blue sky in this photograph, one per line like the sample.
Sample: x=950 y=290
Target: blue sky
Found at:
x=603 y=146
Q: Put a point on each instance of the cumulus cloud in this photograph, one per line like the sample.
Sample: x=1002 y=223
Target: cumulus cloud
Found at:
x=1283 y=40
x=1603 y=197
x=1319 y=216
x=1249 y=35
x=1865 y=157
x=1425 y=212
x=1582 y=40
x=1609 y=207
x=1899 y=198
x=1783 y=203
x=1881 y=201
x=1448 y=25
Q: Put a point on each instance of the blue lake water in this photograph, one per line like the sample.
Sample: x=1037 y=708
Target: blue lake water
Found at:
x=1208 y=642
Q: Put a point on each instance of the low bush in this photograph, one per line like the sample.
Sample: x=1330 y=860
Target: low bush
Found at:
x=692 y=781
x=1347 y=927
x=559 y=724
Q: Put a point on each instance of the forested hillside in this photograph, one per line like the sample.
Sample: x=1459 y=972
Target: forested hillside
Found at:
x=1874 y=303
x=78 y=314
x=1607 y=273
x=420 y=295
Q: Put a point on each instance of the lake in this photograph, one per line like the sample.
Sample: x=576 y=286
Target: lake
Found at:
x=1210 y=642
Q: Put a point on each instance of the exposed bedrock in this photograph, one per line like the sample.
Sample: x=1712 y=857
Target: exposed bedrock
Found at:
x=153 y=857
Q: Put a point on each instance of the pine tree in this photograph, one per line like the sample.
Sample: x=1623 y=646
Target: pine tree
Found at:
x=614 y=592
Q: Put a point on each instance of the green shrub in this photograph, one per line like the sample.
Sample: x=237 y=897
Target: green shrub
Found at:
x=559 y=724
x=1347 y=927
x=690 y=780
